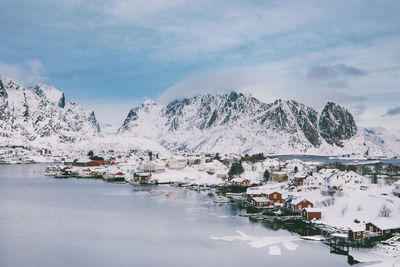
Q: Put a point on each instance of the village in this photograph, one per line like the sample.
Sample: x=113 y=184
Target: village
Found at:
x=352 y=204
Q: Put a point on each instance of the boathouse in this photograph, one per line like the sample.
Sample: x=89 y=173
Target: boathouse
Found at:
x=260 y=202
x=311 y=213
x=141 y=176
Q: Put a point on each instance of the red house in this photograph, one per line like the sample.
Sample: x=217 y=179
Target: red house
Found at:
x=383 y=226
x=274 y=197
x=311 y=213
x=299 y=204
x=356 y=232
x=298 y=181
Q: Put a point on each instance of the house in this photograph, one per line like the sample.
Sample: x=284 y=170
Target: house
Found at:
x=260 y=202
x=351 y=177
x=383 y=226
x=334 y=181
x=141 y=177
x=260 y=191
x=86 y=163
x=299 y=178
x=299 y=204
x=274 y=196
x=311 y=213
x=396 y=190
x=314 y=181
x=279 y=177
x=151 y=167
x=356 y=232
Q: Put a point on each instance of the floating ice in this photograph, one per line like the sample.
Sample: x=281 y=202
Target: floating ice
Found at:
x=265 y=241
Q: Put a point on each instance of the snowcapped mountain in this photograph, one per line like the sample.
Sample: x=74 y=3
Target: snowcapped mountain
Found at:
x=236 y=123
x=229 y=123
x=40 y=115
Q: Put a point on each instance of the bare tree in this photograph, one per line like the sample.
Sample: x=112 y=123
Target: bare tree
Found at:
x=384 y=211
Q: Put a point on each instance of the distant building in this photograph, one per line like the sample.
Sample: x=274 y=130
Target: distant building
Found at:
x=279 y=177
x=260 y=202
x=298 y=204
x=311 y=213
x=141 y=177
x=383 y=226
x=356 y=232
x=151 y=167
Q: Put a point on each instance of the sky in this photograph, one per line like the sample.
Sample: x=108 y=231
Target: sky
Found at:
x=111 y=55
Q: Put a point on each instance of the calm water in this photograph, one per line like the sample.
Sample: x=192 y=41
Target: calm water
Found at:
x=78 y=222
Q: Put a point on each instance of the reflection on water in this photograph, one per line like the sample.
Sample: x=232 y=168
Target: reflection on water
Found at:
x=83 y=222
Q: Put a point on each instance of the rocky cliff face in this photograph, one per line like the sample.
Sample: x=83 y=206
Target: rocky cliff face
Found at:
x=336 y=124
x=236 y=122
x=40 y=113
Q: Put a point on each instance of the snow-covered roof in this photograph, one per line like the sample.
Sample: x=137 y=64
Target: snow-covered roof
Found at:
x=313 y=209
x=357 y=227
x=260 y=199
x=261 y=190
x=384 y=223
x=298 y=200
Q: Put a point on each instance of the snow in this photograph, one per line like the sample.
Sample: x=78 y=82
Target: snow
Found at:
x=187 y=175
x=386 y=223
x=271 y=242
x=314 y=237
x=274 y=250
x=352 y=204
x=380 y=256
x=243 y=125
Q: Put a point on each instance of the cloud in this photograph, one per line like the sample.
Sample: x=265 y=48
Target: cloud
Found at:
x=34 y=74
x=28 y=73
x=334 y=71
x=11 y=71
x=392 y=111
x=265 y=84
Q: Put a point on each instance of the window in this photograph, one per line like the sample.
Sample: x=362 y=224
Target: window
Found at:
x=299 y=207
x=371 y=228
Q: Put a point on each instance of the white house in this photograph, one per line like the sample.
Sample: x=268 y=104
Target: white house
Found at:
x=314 y=181
x=151 y=166
x=352 y=178
x=334 y=181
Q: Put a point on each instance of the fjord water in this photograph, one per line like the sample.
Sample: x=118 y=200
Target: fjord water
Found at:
x=82 y=222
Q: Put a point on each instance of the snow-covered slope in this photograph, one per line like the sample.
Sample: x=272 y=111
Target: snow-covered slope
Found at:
x=40 y=115
x=228 y=123
x=236 y=123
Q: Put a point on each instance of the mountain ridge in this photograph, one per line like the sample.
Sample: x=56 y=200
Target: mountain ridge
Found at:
x=41 y=116
x=239 y=123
